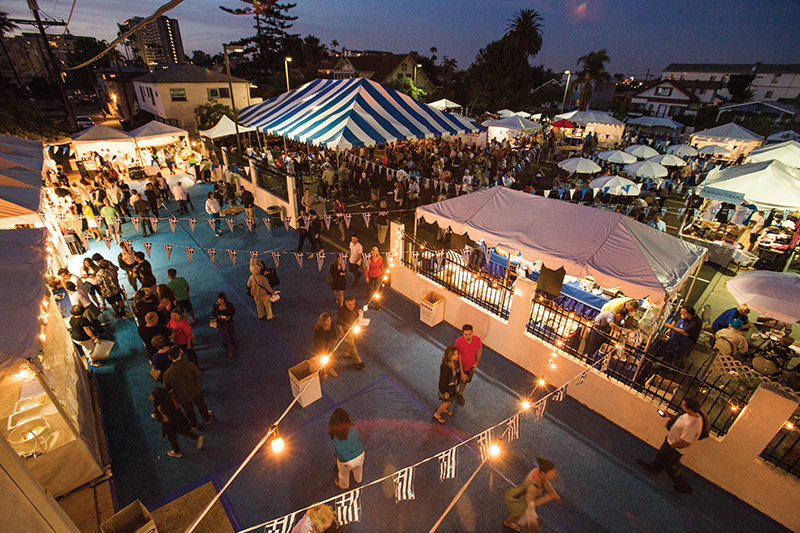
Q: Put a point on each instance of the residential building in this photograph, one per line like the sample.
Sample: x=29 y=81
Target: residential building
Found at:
x=772 y=81
x=602 y=94
x=667 y=98
x=383 y=67
x=27 y=55
x=157 y=42
x=115 y=89
x=784 y=114
x=172 y=93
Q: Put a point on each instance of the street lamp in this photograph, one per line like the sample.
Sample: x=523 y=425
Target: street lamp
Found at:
x=233 y=48
x=415 y=72
x=286 y=61
x=568 y=73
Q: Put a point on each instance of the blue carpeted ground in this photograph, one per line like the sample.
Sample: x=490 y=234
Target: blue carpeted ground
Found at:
x=392 y=400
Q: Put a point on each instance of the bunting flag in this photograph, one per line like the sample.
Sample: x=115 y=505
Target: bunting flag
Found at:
x=730 y=214
x=307 y=222
x=786 y=213
x=663 y=212
x=135 y=221
x=266 y=223
x=583 y=376
x=348 y=507
x=365 y=258
x=327 y=219
x=192 y=223
x=116 y=225
x=447 y=464
x=172 y=222
x=320 y=260
x=249 y=222
x=681 y=211
x=646 y=211
x=85 y=239
x=628 y=210
x=147 y=247
x=212 y=254
x=694 y=213
x=487 y=254
x=680 y=188
x=211 y=224
x=189 y=253
x=230 y=222
x=253 y=255
x=366 y=216
x=232 y=256
x=347 y=217
x=715 y=211
x=427 y=182
x=168 y=251
x=404 y=484
x=466 y=253
x=80 y=218
x=286 y=222
x=280 y=525
x=276 y=258
x=107 y=240
x=767 y=213
x=127 y=246
x=512 y=428
x=558 y=396
x=414 y=259
x=539 y=409
x=439 y=254
x=446 y=187
x=606 y=361
x=299 y=258
x=343 y=261
x=154 y=223
x=484 y=443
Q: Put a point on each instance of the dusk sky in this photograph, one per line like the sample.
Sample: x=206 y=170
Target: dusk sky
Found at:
x=638 y=34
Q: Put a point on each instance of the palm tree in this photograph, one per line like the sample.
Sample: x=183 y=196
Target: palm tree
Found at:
x=593 y=71
x=334 y=46
x=525 y=29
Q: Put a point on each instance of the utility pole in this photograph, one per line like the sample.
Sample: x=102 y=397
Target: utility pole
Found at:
x=55 y=71
x=647 y=76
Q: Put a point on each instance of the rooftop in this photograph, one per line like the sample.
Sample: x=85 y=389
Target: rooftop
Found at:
x=185 y=73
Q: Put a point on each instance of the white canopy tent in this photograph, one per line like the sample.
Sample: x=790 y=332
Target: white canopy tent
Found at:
x=156 y=133
x=656 y=122
x=787 y=152
x=608 y=129
x=767 y=184
x=20 y=205
x=615 y=185
x=682 y=150
x=444 y=104
x=101 y=137
x=612 y=248
x=504 y=128
x=781 y=136
x=772 y=294
x=223 y=128
x=733 y=137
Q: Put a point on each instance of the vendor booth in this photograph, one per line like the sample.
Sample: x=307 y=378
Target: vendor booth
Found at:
x=609 y=130
x=45 y=400
x=509 y=127
x=787 y=152
x=223 y=128
x=99 y=138
x=156 y=133
x=732 y=137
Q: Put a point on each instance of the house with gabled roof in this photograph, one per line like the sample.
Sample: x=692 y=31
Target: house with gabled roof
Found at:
x=664 y=98
x=382 y=67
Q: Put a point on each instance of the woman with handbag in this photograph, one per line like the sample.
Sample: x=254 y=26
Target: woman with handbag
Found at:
x=448 y=383
x=222 y=319
x=173 y=420
x=259 y=289
x=536 y=490
x=337 y=277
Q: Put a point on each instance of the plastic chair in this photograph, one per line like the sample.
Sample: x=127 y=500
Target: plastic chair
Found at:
x=705 y=316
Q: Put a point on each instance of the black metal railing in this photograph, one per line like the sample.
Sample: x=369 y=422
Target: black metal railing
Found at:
x=240 y=166
x=468 y=280
x=783 y=451
x=648 y=373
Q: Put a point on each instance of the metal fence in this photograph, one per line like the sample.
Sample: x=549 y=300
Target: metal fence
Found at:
x=722 y=397
x=267 y=177
x=450 y=270
x=783 y=451
x=240 y=166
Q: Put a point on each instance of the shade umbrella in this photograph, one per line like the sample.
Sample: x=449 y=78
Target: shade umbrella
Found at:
x=668 y=160
x=713 y=149
x=580 y=165
x=615 y=185
x=682 y=150
x=642 y=151
x=773 y=294
x=646 y=169
x=617 y=156
x=564 y=123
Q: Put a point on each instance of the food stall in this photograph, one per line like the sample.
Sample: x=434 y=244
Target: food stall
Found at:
x=731 y=137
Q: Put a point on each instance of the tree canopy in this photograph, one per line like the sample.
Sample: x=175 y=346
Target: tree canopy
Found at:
x=593 y=72
x=207 y=115
x=525 y=31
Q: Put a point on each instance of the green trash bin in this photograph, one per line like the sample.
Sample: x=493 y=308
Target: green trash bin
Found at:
x=275 y=214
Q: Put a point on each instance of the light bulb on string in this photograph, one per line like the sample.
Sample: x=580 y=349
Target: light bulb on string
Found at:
x=356 y=329
x=552 y=364
x=324 y=359
x=526 y=404
x=377 y=295
x=494 y=450
x=789 y=425
x=366 y=308
x=542 y=382
x=277 y=442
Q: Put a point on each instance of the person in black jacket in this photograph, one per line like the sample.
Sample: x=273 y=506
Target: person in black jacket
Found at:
x=314 y=233
x=143 y=270
x=303 y=233
x=173 y=421
x=248 y=201
x=448 y=383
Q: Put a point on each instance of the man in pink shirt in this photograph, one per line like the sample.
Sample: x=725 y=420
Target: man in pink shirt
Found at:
x=469 y=348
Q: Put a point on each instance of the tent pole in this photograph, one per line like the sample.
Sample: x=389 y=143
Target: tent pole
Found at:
x=694 y=278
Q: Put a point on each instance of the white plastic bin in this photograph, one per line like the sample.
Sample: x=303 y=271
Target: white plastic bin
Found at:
x=431 y=308
x=134 y=518
x=299 y=375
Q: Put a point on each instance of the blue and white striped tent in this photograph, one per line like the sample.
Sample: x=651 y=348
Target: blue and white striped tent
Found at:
x=351 y=112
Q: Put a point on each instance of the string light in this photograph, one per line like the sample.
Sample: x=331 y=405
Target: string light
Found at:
x=542 y=382
x=324 y=359
x=526 y=404
x=552 y=364
x=494 y=450
x=356 y=328
x=789 y=425
x=277 y=442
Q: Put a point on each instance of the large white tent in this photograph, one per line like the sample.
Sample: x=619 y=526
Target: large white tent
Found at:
x=608 y=129
x=101 y=137
x=444 y=104
x=223 y=128
x=733 y=137
x=612 y=248
x=787 y=152
x=156 y=133
x=767 y=184
x=19 y=205
x=340 y=114
x=656 y=122
x=504 y=128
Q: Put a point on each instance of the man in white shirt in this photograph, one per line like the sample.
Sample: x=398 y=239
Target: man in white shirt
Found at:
x=355 y=258
x=686 y=429
x=212 y=208
x=733 y=335
x=181 y=195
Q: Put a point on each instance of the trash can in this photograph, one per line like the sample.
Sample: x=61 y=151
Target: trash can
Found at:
x=431 y=308
x=275 y=214
x=299 y=375
x=134 y=518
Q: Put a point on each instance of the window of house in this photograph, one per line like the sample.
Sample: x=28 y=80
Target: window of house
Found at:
x=178 y=95
x=219 y=92
x=663 y=91
x=400 y=76
x=150 y=94
x=404 y=67
x=776 y=78
x=675 y=111
x=712 y=78
x=768 y=95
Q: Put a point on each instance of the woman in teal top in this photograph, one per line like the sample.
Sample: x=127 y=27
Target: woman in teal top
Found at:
x=348 y=449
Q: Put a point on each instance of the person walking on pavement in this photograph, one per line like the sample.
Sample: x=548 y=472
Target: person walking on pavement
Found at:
x=325 y=340
x=248 y=202
x=213 y=209
x=183 y=379
x=345 y=319
x=448 y=383
x=259 y=288
x=536 y=490
x=314 y=233
x=182 y=334
x=181 y=196
x=382 y=221
x=173 y=421
x=337 y=276
x=143 y=270
x=355 y=259
x=180 y=287
x=348 y=449
x=683 y=432
x=223 y=313
x=142 y=209
x=302 y=232
x=374 y=270
x=470 y=349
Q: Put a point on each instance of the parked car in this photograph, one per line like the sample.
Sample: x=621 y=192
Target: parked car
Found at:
x=84 y=122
